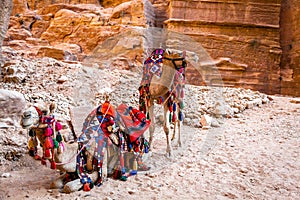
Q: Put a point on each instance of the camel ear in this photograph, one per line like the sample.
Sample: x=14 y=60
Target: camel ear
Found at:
x=184 y=54
x=52 y=107
x=168 y=51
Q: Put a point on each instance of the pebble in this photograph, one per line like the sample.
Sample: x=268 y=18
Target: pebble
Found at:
x=6 y=175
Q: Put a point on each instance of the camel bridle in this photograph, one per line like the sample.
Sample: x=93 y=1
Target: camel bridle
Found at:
x=177 y=67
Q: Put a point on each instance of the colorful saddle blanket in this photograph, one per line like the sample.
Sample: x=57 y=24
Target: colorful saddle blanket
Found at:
x=131 y=119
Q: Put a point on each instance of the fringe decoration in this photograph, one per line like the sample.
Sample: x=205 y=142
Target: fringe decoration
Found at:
x=53 y=165
x=61 y=147
x=48 y=143
x=43 y=161
x=58 y=126
x=48 y=132
x=174 y=107
x=86 y=187
x=174 y=117
x=180 y=116
x=55 y=143
x=182 y=93
x=47 y=154
x=59 y=137
x=181 y=105
x=31 y=133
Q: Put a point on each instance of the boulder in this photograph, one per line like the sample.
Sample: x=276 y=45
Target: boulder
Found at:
x=12 y=104
x=59 y=54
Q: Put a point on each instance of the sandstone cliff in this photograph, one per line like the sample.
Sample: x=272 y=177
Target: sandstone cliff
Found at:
x=250 y=43
x=5 y=10
x=244 y=32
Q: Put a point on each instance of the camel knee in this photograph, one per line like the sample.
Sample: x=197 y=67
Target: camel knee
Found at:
x=58 y=183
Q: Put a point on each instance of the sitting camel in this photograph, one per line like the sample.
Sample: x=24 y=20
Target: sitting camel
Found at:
x=163 y=82
x=88 y=161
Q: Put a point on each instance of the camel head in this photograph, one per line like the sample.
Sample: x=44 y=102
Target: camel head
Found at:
x=31 y=116
x=174 y=53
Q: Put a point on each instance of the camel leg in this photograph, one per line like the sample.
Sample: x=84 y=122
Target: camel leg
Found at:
x=178 y=129
x=152 y=124
x=174 y=131
x=166 y=130
x=58 y=182
x=113 y=158
x=178 y=122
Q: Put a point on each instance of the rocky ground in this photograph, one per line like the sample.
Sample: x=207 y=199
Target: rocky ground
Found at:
x=237 y=143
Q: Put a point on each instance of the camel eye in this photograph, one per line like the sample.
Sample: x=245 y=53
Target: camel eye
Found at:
x=26 y=114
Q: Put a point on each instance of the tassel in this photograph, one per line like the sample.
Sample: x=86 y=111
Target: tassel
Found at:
x=135 y=165
x=182 y=93
x=117 y=173
x=53 y=165
x=58 y=126
x=171 y=108
x=180 y=116
x=146 y=149
x=31 y=133
x=60 y=148
x=47 y=153
x=43 y=161
x=174 y=107
x=31 y=143
x=55 y=143
x=59 y=137
x=48 y=132
x=181 y=104
x=174 y=117
x=123 y=178
x=133 y=172
x=86 y=187
x=48 y=143
x=31 y=152
x=170 y=117
x=37 y=157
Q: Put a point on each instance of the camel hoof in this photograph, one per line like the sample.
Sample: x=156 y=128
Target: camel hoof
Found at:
x=178 y=144
x=169 y=154
x=57 y=184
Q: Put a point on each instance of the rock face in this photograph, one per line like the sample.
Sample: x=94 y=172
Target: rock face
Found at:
x=41 y=26
x=250 y=44
x=5 y=9
x=244 y=32
x=290 y=34
x=12 y=104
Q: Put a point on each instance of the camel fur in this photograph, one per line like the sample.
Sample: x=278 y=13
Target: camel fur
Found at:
x=160 y=88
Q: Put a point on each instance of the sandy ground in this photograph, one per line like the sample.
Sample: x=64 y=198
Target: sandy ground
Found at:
x=254 y=156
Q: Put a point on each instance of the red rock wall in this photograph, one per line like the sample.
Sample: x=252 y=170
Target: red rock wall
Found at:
x=252 y=43
x=244 y=32
x=60 y=25
x=290 y=37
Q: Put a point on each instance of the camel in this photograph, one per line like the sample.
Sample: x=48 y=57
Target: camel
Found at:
x=164 y=86
x=76 y=160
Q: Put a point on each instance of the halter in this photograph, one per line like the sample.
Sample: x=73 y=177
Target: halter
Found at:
x=183 y=64
x=40 y=113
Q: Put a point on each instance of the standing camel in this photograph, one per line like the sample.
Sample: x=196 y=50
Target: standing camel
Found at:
x=163 y=82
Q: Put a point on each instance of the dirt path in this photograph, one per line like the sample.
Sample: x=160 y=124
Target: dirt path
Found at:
x=254 y=156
